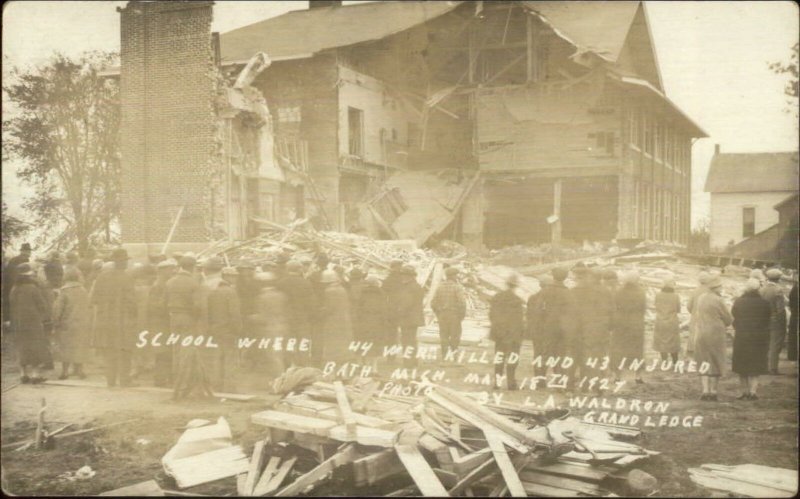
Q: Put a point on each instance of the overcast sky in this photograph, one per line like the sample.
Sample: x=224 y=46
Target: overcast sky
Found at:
x=713 y=58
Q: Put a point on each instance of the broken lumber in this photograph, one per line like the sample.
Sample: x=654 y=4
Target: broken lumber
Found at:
x=207 y=467
x=344 y=456
x=421 y=472
x=256 y=462
x=504 y=463
x=276 y=478
x=345 y=410
x=146 y=488
x=293 y=422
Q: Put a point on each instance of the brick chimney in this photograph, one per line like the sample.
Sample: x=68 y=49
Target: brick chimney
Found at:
x=318 y=4
x=167 y=122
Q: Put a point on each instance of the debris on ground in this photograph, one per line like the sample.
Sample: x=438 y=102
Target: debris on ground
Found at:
x=148 y=488
x=746 y=480
x=83 y=473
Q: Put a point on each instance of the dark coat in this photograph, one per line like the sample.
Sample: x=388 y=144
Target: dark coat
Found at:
x=550 y=315
x=337 y=328
x=72 y=323
x=507 y=317
x=114 y=297
x=449 y=301
x=9 y=279
x=157 y=312
x=30 y=311
x=408 y=302
x=222 y=310
x=184 y=297
x=271 y=313
x=628 y=338
x=666 y=337
x=392 y=287
x=303 y=304
x=354 y=290
x=751 y=317
x=773 y=293
x=372 y=323
x=54 y=273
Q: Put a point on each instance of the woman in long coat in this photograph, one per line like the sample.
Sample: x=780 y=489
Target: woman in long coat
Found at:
x=666 y=338
x=30 y=311
x=72 y=322
x=337 y=331
x=712 y=318
x=628 y=339
x=751 y=314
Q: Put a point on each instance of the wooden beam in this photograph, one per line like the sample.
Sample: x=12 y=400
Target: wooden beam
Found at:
x=507 y=469
x=276 y=479
x=505 y=68
x=256 y=461
x=346 y=455
x=261 y=487
x=421 y=472
x=345 y=410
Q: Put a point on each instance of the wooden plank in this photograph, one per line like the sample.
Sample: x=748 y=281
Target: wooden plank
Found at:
x=530 y=476
x=256 y=462
x=473 y=476
x=475 y=421
x=766 y=477
x=713 y=481
x=578 y=471
x=146 y=488
x=346 y=455
x=207 y=467
x=424 y=477
x=364 y=435
x=293 y=422
x=330 y=412
x=277 y=478
x=241 y=481
x=504 y=463
x=539 y=490
x=345 y=410
x=375 y=467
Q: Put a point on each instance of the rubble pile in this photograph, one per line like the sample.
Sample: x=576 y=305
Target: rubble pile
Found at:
x=355 y=440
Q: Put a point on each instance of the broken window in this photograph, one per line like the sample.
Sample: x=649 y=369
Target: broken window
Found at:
x=355 y=129
x=748 y=221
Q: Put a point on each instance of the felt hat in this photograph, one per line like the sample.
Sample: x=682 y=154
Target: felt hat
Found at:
x=214 y=263
x=265 y=276
x=408 y=270
x=373 y=281
x=631 y=277
x=187 y=261
x=356 y=273
x=752 y=284
x=774 y=274
x=119 y=255
x=25 y=247
x=668 y=283
x=293 y=266
x=714 y=281
x=559 y=274
x=167 y=263
x=610 y=275
x=328 y=277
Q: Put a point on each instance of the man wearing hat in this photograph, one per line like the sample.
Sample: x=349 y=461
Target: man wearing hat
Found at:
x=270 y=320
x=186 y=317
x=335 y=334
x=30 y=312
x=115 y=334
x=86 y=267
x=450 y=307
x=551 y=316
x=713 y=319
x=410 y=315
x=355 y=286
x=303 y=305
x=158 y=321
x=773 y=293
x=143 y=277
x=9 y=276
x=506 y=315
x=247 y=289
x=224 y=323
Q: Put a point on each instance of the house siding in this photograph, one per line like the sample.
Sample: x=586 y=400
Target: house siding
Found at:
x=726 y=214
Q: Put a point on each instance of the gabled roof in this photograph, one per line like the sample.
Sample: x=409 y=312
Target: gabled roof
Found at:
x=302 y=33
x=600 y=27
x=753 y=172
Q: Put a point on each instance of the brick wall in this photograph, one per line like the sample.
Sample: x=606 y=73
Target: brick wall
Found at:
x=167 y=127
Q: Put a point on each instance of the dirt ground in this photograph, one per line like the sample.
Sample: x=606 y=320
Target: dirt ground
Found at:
x=733 y=432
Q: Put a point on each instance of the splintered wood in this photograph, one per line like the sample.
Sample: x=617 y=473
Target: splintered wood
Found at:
x=446 y=445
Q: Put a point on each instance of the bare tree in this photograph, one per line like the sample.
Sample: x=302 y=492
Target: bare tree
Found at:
x=791 y=70
x=65 y=131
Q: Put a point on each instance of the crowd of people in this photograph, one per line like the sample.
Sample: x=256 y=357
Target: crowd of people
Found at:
x=66 y=309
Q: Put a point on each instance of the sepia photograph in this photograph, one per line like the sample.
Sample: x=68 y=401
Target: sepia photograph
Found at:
x=419 y=248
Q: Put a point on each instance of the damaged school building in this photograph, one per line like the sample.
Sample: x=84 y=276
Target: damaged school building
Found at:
x=488 y=123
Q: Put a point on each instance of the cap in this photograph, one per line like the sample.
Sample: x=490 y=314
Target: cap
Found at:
x=328 y=276
x=752 y=284
x=774 y=274
x=25 y=247
x=668 y=283
x=119 y=255
x=166 y=264
x=559 y=274
x=187 y=261
x=451 y=271
x=265 y=277
x=214 y=263
x=631 y=277
x=757 y=274
x=356 y=273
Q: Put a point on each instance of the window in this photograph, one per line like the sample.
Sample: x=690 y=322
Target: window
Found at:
x=604 y=142
x=633 y=126
x=657 y=132
x=355 y=131
x=748 y=221
x=647 y=126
